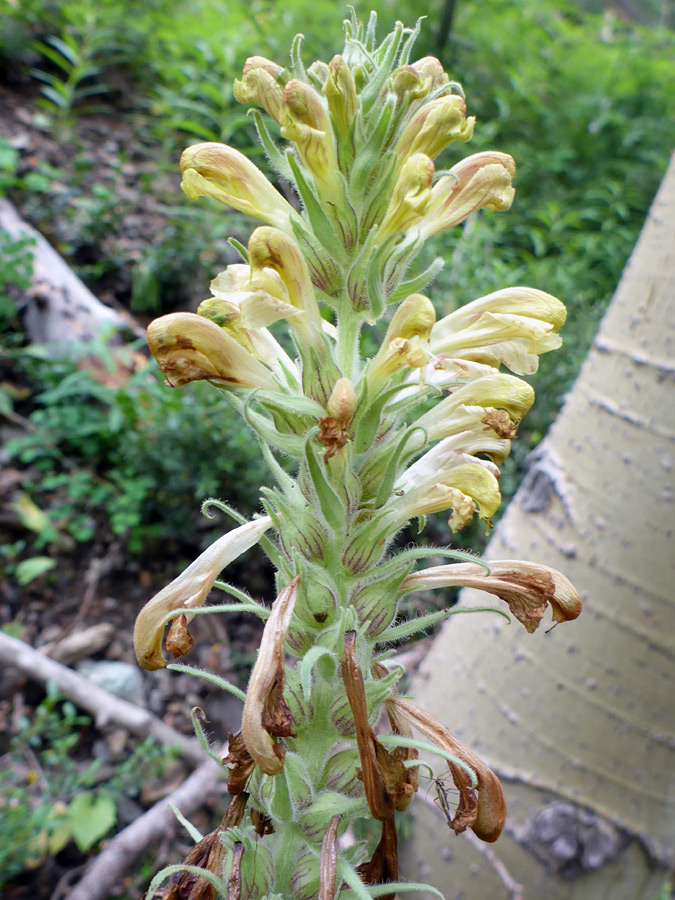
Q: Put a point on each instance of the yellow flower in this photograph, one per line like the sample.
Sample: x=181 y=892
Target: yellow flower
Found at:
x=494 y=391
x=189 y=347
x=405 y=342
x=444 y=479
x=511 y=326
x=190 y=589
x=271 y=249
x=477 y=182
x=218 y=171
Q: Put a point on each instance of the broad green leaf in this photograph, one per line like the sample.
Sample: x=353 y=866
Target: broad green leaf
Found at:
x=91 y=816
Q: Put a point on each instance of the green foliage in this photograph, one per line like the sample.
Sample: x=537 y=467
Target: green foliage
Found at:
x=143 y=454
x=585 y=106
x=16 y=267
x=48 y=797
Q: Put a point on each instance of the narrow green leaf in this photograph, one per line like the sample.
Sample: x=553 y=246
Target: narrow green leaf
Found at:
x=222 y=683
x=331 y=505
x=418 y=282
x=194 y=833
x=319 y=221
x=421 y=623
x=309 y=660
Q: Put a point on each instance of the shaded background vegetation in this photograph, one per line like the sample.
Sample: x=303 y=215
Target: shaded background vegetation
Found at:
x=101 y=96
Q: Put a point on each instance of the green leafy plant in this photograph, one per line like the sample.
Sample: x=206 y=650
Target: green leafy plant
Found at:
x=16 y=269
x=102 y=447
x=48 y=797
x=419 y=427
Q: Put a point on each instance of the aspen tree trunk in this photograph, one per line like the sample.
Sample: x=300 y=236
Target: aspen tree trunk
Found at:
x=580 y=723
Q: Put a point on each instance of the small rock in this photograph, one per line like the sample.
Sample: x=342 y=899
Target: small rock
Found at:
x=119 y=678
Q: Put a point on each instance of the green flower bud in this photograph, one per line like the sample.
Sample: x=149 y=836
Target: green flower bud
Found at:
x=305 y=878
x=259 y=85
x=256 y=865
x=301 y=708
x=340 y=92
x=314 y=820
x=298 y=781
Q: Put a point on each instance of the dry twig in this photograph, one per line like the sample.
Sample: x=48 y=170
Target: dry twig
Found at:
x=104 y=707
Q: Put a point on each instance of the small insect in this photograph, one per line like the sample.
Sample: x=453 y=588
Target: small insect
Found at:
x=442 y=799
x=444 y=789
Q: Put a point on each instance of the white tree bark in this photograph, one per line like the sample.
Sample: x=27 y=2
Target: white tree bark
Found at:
x=580 y=723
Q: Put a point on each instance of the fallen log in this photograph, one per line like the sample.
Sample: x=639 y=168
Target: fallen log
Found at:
x=58 y=309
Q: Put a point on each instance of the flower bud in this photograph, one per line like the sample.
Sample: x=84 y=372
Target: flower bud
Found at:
x=318 y=72
x=431 y=68
x=340 y=92
x=218 y=171
x=259 y=85
x=407 y=80
x=434 y=126
x=342 y=401
x=410 y=198
x=304 y=882
x=306 y=124
x=315 y=819
x=340 y=773
x=189 y=347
